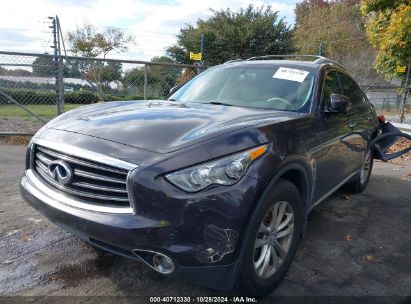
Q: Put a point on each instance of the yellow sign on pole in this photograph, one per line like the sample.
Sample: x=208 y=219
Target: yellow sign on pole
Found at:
x=195 y=56
x=401 y=69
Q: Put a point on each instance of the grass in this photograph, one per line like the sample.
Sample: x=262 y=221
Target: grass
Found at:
x=46 y=111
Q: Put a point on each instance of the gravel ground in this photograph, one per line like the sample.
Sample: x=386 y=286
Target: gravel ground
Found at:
x=19 y=124
x=356 y=246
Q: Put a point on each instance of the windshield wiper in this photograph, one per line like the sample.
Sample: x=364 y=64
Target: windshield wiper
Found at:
x=219 y=103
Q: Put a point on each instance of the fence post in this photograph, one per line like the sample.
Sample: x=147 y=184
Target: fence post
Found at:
x=407 y=78
x=61 y=88
x=145 y=82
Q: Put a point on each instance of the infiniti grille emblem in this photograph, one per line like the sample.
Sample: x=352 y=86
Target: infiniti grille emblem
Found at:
x=60 y=171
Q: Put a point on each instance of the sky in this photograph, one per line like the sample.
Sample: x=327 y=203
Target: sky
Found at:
x=153 y=24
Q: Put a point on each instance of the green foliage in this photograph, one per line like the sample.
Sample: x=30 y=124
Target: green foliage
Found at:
x=43 y=66
x=80 y=97
x=126 y=97
x=160 y=78
x=27 y=96
x=16 y=72
x=165 y=76
x=3 y=71
x=88 y=41
x=229 y=35
x=389 y=30
x=111 y=72
x=74 y=68
x=369 y=6
x=47 y=97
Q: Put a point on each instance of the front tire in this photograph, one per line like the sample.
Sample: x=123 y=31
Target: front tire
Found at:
x=271 y=242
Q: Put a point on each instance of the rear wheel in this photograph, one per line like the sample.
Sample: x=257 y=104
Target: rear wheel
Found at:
x=271 y=242
x=360 y=181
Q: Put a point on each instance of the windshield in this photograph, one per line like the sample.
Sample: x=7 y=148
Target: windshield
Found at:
x=255 y=86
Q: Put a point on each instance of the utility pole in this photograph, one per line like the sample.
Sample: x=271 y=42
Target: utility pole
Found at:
x=321 y=51
x=58 y=66
x=55 y=60
x=202 y=49
x=404 y=101
x=60 y=87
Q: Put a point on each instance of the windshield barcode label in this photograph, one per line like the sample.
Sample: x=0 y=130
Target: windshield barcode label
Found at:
x=290 y=74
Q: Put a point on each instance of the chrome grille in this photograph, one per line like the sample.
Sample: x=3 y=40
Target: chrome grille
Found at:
x=92 y=182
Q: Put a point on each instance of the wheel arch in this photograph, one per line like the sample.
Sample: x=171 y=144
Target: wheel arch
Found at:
x=296 y=171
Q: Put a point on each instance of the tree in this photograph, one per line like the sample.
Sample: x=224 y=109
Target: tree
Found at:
x=43 y=66
x=19 y=72
x=229 y=35
x=75 y=68
x=16 y=72
x=166 y=76
x=134 y=77
x=389 y=30
x=160 y=78
x=338 y=29
x=111 y=72
x=88 y=41
x=104 y=74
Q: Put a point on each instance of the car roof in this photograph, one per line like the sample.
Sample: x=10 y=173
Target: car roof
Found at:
x=282 y=59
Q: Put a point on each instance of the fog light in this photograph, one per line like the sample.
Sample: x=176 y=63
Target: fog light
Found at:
x=163 y=264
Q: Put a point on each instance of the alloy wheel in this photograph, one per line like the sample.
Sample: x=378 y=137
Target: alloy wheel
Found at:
x=365 y=168
x=273 y=239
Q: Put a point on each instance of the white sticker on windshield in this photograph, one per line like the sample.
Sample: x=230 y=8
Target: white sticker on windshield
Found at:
x=290 y=74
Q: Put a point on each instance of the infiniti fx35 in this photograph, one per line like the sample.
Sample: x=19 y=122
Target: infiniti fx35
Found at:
x=215 y=183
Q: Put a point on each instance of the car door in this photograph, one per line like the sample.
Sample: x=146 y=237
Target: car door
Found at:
x=361 y=122
x=334 y=164
x=365 y=125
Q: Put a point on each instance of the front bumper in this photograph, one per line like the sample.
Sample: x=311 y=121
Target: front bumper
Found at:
x=197 y=258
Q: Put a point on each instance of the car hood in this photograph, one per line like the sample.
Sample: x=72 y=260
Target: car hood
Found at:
x=162 y=126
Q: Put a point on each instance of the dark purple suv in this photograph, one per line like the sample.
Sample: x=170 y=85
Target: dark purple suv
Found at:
x=215 y=183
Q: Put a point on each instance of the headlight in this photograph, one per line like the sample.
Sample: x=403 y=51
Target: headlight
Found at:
x=224 y=171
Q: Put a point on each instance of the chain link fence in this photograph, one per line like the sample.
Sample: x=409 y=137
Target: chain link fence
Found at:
x=385 y=98
x=34 y=88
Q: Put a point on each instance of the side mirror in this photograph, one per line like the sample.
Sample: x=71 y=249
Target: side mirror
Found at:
x=339 y=103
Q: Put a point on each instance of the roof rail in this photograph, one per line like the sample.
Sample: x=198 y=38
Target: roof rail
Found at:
x=234 y=60
x=327 y=60
x=285 y=56
x=318 y=59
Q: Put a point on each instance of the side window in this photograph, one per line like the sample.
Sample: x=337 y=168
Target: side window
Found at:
x=331 y=86
x=351 y=89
